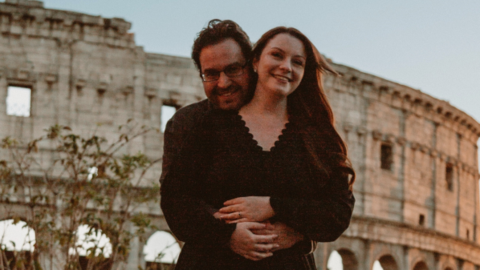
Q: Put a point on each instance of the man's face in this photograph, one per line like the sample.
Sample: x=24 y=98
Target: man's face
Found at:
x=225 y=93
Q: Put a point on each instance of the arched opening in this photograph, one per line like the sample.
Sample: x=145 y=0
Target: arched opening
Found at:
x=92 y=247
x=161 y=251
x=335 y=261
x=342 y=259
x=386 y=262
x=420 y=266
x=17 y=242
x=349 y=260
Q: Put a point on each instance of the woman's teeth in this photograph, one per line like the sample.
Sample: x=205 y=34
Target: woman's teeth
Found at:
x=282 y=78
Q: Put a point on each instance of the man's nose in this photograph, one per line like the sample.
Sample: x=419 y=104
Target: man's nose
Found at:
x=224 y=81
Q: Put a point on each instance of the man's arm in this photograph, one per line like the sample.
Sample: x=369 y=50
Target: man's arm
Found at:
x=181 y=177
x=171 y=146
x=258 y=209
x=190 y=218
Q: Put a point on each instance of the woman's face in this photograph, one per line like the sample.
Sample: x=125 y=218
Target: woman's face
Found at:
x=281 y=65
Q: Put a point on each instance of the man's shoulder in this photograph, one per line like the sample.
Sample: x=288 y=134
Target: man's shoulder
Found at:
x=189 y=115
x=193 y=109
x=177 y=129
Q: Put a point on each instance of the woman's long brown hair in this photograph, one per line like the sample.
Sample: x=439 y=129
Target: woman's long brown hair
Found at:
x=309 y=104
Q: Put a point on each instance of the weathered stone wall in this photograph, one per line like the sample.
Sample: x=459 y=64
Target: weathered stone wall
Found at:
x=86 y=70
x=426 y=134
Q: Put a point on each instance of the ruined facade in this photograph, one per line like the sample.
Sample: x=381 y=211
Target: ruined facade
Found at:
x=415 y=156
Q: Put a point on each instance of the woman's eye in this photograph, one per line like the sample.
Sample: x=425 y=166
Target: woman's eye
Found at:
x=276 y=55
x=298 y=62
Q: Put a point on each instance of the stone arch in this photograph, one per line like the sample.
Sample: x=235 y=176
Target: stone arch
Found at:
x=17 y=242
x=149 y=234
x=417 y=259
x=342 y=257
x=22 y=235
x=421 y=265
x=335 y=261
x=349 y=259
x=88 y=238
x=447 y=262
x=161 y=249
x=387 y=262
x=345 y=252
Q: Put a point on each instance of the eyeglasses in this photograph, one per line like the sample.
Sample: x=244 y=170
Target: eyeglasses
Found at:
x=231 y=71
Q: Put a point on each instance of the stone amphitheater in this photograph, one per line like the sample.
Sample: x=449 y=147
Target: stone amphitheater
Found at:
x=415 y=156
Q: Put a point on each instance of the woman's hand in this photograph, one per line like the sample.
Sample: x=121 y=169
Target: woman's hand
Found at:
x=246 y=209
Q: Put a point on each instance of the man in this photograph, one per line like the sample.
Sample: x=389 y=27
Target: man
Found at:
x=220 y=53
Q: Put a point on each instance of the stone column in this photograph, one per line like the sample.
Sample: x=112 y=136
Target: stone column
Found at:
x=135 y=257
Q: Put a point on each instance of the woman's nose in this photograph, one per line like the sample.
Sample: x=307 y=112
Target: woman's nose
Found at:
x=286 y=65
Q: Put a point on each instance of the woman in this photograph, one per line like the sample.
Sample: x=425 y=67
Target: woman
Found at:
x=279 y=159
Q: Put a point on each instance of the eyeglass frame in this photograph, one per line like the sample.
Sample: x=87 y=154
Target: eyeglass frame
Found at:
x=225 y=71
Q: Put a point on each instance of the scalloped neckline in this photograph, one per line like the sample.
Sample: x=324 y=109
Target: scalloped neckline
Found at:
x=254 y=143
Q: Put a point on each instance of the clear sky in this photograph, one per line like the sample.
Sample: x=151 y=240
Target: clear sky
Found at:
x=431 y=45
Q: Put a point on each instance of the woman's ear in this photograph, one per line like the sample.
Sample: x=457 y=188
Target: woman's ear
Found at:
x=255 y=65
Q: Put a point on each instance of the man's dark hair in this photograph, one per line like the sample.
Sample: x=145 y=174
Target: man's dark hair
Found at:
x=216 y=32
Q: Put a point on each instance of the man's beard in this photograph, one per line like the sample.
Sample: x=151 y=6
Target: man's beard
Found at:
x=230 y=98
x=231 y=89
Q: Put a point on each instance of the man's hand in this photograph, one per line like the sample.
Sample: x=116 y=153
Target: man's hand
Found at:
x=247 y=209
x=287 y=236
x=251 y=246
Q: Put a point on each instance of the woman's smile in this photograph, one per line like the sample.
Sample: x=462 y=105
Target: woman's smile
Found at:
x=281 y=65
x=282 y=78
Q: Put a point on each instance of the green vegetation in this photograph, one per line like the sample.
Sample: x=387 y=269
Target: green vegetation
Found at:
x=61 y=181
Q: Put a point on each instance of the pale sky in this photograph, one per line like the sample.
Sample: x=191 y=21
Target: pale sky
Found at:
x=431 y=45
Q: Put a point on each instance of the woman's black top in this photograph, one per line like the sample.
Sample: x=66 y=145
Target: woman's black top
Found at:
x=221 y=161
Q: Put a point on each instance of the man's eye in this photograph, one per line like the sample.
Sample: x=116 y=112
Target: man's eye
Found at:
x=210 y=74
x=233 y=69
